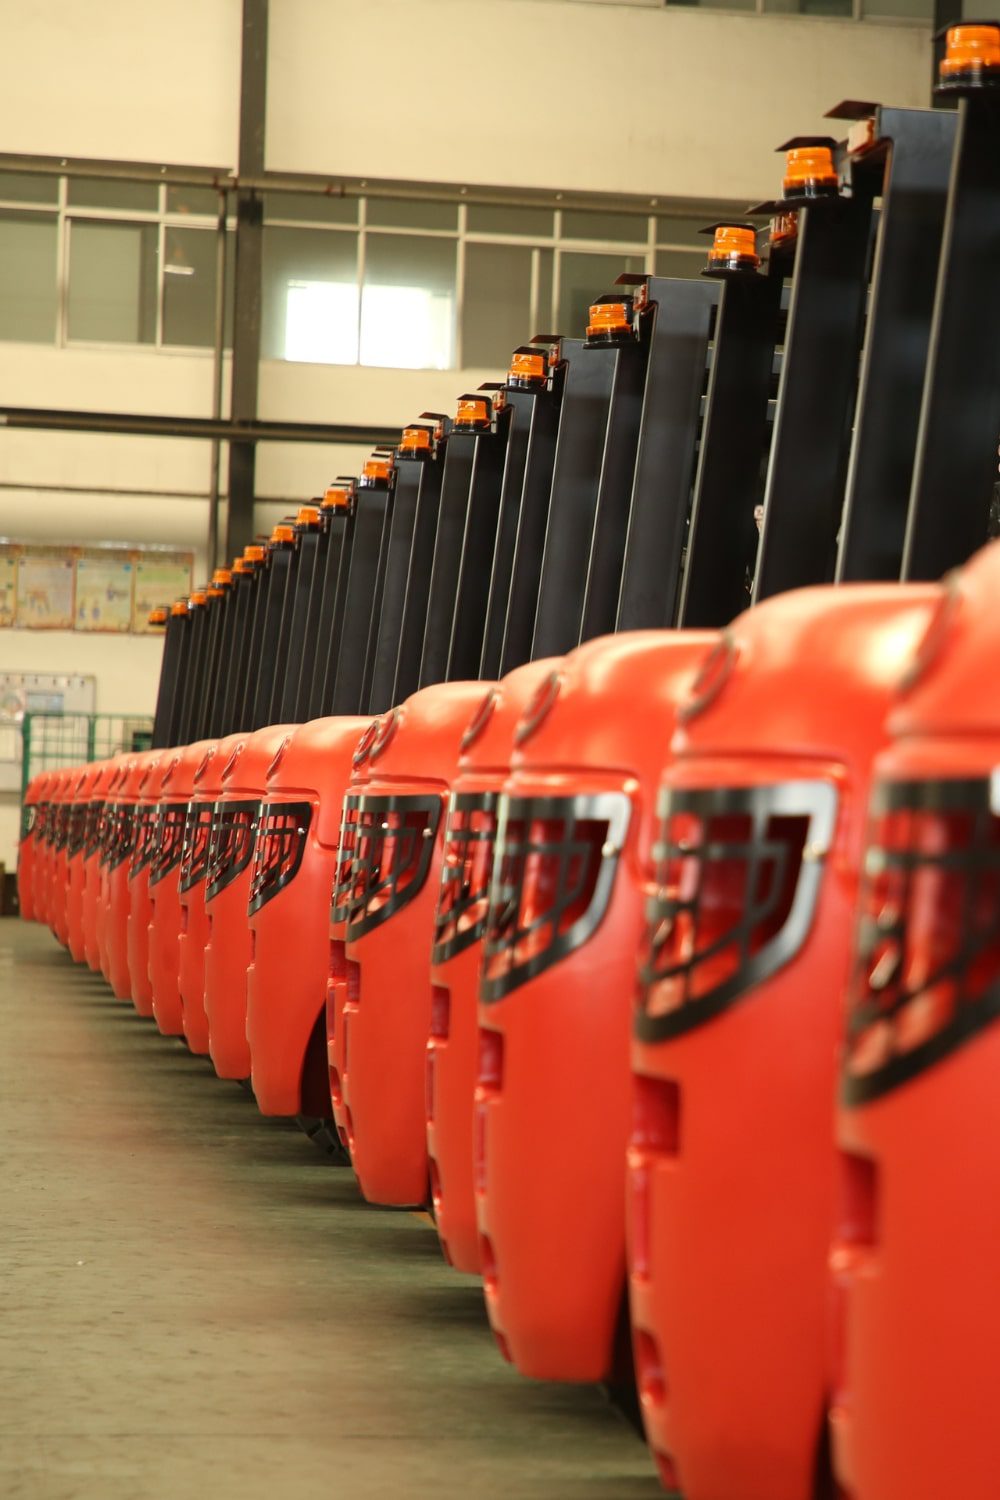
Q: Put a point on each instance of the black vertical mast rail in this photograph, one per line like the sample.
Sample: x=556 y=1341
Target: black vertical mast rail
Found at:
x=267 y=624
x=337 y=520
x=419 y=469
x=218 y=598
x=956 y=461
x=175 y=620
x=907 y=154
x=680 y=315
x=514 y=584
x=198 y=629
x=479 y=540
x=245 y=570
x=359 y=587
x=465 y=539
x=817 y=388
x=728 y=484
x=295 y=618
x=594 y=466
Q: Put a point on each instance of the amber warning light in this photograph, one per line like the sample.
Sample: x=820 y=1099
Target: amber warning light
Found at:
x=308 y=515
x=337 y=497
x=972 y=57
x=733 y=248
x=810 y=170
x=253 y=553
x=528 y=369
x=416 y=441
x=608 y=320
x=282 y=534
x=473 y=413
x=376 y=470
x=157 y=617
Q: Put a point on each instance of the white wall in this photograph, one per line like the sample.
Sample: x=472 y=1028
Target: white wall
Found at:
x=122 y=78
x=541 y=93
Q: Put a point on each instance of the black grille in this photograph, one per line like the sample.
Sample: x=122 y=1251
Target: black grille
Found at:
x=146 y=817
x=553 y=871
x=282 y=830
x=927 y=971
x=232 y=844
x=197 y=843
x=464 y=891
x=386 y=847
x=93 y=828
x=739 y=871
x=168 y=839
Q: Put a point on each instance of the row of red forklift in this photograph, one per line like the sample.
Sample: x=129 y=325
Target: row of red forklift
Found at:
x=662 y=966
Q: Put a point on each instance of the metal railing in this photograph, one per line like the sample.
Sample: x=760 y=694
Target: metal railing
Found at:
x=50 y=740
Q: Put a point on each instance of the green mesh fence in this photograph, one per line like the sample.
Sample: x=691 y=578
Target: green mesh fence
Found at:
x=49 y=741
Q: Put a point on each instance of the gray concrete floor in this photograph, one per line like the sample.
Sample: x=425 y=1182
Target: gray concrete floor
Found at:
x=194 y=1303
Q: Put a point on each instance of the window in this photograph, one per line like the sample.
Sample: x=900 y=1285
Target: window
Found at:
x=408 y=302
x=393 y=282
x=28 y=252
x=498 y=280
x=112 y=282
x=310 y=296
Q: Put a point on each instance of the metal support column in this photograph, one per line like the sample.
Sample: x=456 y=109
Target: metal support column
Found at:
x=249 y=254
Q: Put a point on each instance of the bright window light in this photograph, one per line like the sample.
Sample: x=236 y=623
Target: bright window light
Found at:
x=321 y=323
x=407 y=328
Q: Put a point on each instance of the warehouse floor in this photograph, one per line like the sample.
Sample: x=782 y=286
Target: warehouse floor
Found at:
x=194 y=1303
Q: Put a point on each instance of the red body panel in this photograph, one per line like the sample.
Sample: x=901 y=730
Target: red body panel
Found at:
x=552 y=1098
x=164 y=902
x=917 y=1326
x=228 y=951
x=731 y=1167
x=453 y=1043
x=287 y=978
x=194 y=921
x=140 y=907
x=87 y=791
x=59 y=871
x=387 y=1012
x=92 y=912
x=119 y=893
x=27 y=848
x=337 y=980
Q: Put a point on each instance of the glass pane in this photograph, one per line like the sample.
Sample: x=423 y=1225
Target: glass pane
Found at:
x=717 y=4
x=193 y=200
x=582 y=279
x=318 y=207
x=28 y=277
x=408 y=302
x=490 y=218
x=496 y=310
x=310 y=296
x=810 y=7
x=677 y=229
x=29 y=187
x=189 y=286
x=99 y=192
x=681 y=262
x=112 y=282
x=630 y=228
x=411 y=213
x=915 y=10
